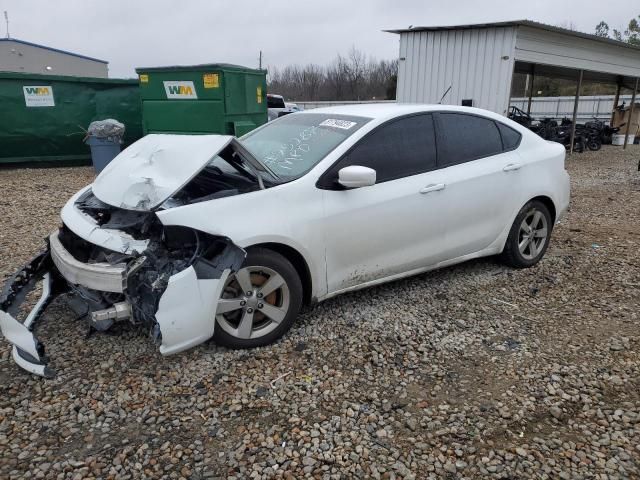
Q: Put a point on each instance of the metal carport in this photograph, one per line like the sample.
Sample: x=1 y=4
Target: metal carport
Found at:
x=474 y=64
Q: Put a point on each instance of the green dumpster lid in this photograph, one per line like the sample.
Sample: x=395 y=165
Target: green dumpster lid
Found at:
x=200 y=67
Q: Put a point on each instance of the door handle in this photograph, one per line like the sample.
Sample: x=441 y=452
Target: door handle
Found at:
x=511 y=166
x=434 y=187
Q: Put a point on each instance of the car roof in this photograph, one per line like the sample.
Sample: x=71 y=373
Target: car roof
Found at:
x=384 y=111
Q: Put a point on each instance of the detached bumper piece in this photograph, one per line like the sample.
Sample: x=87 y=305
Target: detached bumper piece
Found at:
x=28 y=352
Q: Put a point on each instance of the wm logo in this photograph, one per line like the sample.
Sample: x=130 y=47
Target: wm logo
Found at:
x=180 y=90
x=37 y=90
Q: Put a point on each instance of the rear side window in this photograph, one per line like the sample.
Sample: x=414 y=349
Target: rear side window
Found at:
x=510 y=138
x=462 y=138
x=398 y=149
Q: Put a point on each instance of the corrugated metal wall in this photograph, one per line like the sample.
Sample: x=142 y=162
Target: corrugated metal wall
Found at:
x=477 y=63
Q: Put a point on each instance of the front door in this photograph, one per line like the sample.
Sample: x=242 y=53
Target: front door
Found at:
x=394 y=226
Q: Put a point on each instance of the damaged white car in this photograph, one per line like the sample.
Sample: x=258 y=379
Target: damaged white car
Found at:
x=208 y=236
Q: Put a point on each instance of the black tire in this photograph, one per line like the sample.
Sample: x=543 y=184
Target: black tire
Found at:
x=273 y=260
x=594 y=144
x=511 y=255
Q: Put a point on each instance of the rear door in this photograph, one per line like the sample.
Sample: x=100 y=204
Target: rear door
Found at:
x=478 y=158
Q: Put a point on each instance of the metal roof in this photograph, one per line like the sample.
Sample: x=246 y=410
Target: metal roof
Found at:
x=52 y=49
x=518 y=23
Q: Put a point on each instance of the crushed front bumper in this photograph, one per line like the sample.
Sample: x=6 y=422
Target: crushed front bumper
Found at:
x=183 y=306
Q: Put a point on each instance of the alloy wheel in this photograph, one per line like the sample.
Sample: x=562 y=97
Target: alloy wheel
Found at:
x=532 y=236
x=255 y=300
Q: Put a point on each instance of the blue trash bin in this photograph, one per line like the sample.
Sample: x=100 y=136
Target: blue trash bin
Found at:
x=103 y=150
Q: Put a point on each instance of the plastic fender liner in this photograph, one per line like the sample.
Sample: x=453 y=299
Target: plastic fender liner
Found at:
x=186 y=312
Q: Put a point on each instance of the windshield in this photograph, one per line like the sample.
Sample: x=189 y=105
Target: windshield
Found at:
x=294 y=144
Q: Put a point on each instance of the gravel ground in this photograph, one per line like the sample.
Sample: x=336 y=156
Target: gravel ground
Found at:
x=475 y=370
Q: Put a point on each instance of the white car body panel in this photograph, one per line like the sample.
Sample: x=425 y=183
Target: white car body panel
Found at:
x=361 y=246
x=286 y=214
x=474 y=202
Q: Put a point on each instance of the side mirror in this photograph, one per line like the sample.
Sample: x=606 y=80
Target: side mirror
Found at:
x=356 y=176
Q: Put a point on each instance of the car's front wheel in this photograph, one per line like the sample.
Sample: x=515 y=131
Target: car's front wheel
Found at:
x=529 y=236
x=259 y=302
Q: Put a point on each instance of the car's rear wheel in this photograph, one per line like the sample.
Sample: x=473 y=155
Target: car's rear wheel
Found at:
x=529 y=236
x=259 y=302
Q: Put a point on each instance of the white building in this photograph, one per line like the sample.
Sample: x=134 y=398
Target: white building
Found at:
x=26 y=57
x=474 y=64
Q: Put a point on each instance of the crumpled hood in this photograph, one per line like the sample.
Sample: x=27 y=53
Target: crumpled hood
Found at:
x=147 y=173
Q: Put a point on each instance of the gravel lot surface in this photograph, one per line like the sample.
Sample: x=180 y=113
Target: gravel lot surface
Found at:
x=472 y=371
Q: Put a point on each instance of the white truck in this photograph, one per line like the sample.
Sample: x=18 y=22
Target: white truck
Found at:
x=277 y=107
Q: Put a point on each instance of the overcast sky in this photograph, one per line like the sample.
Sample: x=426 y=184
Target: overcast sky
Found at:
x=141 y=33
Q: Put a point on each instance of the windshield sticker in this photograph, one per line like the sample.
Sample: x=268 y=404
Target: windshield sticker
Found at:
x=333 y=122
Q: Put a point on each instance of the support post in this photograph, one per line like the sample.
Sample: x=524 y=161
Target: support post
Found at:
x=575 y=110
x=615 y=102
x=633 y=104
x=533 y=74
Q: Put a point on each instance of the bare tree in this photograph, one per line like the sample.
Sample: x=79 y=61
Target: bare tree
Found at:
x=312 y=78
x=350 y=77
x=356 y=71
x=336 y=79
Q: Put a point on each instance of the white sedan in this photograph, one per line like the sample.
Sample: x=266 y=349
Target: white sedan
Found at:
x=209 y=236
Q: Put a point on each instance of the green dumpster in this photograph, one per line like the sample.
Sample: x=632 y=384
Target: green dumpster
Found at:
x=43 y=116
x=212 y=98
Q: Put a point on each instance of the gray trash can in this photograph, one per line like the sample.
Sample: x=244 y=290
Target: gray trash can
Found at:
x=104 y=137
x=103 y=150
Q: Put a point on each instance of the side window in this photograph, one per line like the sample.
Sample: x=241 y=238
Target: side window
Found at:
x=462 y=138
x=510 y=138
x=398 y=149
